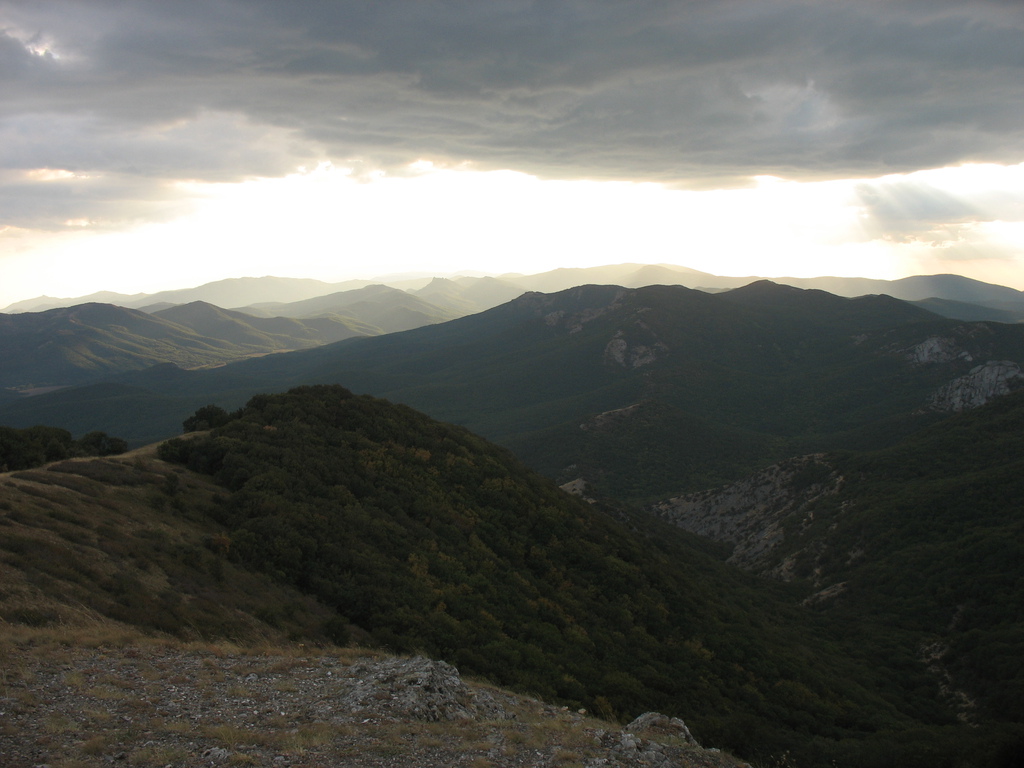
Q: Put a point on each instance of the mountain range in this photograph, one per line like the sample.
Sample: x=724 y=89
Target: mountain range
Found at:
x=61 y=347
x=797 y=527
x=90 y=340
x=598 y=382
x=388 y=309
x=951 y=295
x=73 y=345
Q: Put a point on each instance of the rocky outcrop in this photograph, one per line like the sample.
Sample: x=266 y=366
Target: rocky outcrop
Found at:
x=619 y=351
x=577 y=487
x=975 y=388
x=418 y=689
x=610 y=417
x=655 y=724
x=825 y=595
x=750 y=514
x=653 y=740
x=937 y=349
x=933 y=656
x=983 y=383
x=633 y=345
x=568 y=309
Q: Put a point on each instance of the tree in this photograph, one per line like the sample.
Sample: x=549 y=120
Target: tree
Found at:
x=101 y=444
x=207 y=417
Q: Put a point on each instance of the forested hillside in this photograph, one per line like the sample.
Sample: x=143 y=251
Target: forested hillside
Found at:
x=924 y=538
x=426 y=538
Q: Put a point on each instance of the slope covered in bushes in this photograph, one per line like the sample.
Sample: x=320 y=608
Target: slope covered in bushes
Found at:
x=425 y=537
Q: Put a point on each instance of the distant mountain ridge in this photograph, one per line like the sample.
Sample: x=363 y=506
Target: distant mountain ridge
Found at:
x=270 y=332
x=598 y=382
x=68 y=346
x=223 y=293
x=73 y=345
x=390 y=309
x=473 y=294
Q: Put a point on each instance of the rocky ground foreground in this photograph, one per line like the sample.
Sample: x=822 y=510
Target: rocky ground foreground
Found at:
x=156 y=705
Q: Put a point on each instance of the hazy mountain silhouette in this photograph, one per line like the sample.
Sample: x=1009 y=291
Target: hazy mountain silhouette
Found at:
x=66 y=346
x=389 y=309
x=229 y=293
x=267 y=332
x=477 y=293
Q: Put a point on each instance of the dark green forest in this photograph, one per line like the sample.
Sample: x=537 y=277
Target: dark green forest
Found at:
x=424 y=537
x=31 y=447
x=935 y=525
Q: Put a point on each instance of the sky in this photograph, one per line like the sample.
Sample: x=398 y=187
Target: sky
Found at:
x=160 y=144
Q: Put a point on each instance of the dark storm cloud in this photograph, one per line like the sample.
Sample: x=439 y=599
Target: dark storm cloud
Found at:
x=690 y=93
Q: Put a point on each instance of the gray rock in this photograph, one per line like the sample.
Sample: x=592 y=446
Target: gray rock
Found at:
x=619 y=352
x=657 y=725
x=937 y=349
x=418 y=689
x=984 y=382
x=629 y=749
x=750 y=513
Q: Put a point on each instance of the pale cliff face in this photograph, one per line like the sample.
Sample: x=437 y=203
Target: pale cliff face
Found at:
x=750 y=513
x=978 y=386
x=984 y=382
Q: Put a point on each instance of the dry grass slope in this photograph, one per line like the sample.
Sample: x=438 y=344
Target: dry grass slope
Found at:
x=125 y=539
x=128 y=638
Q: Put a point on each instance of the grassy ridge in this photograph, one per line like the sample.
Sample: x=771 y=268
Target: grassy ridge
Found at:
x=124 y=541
